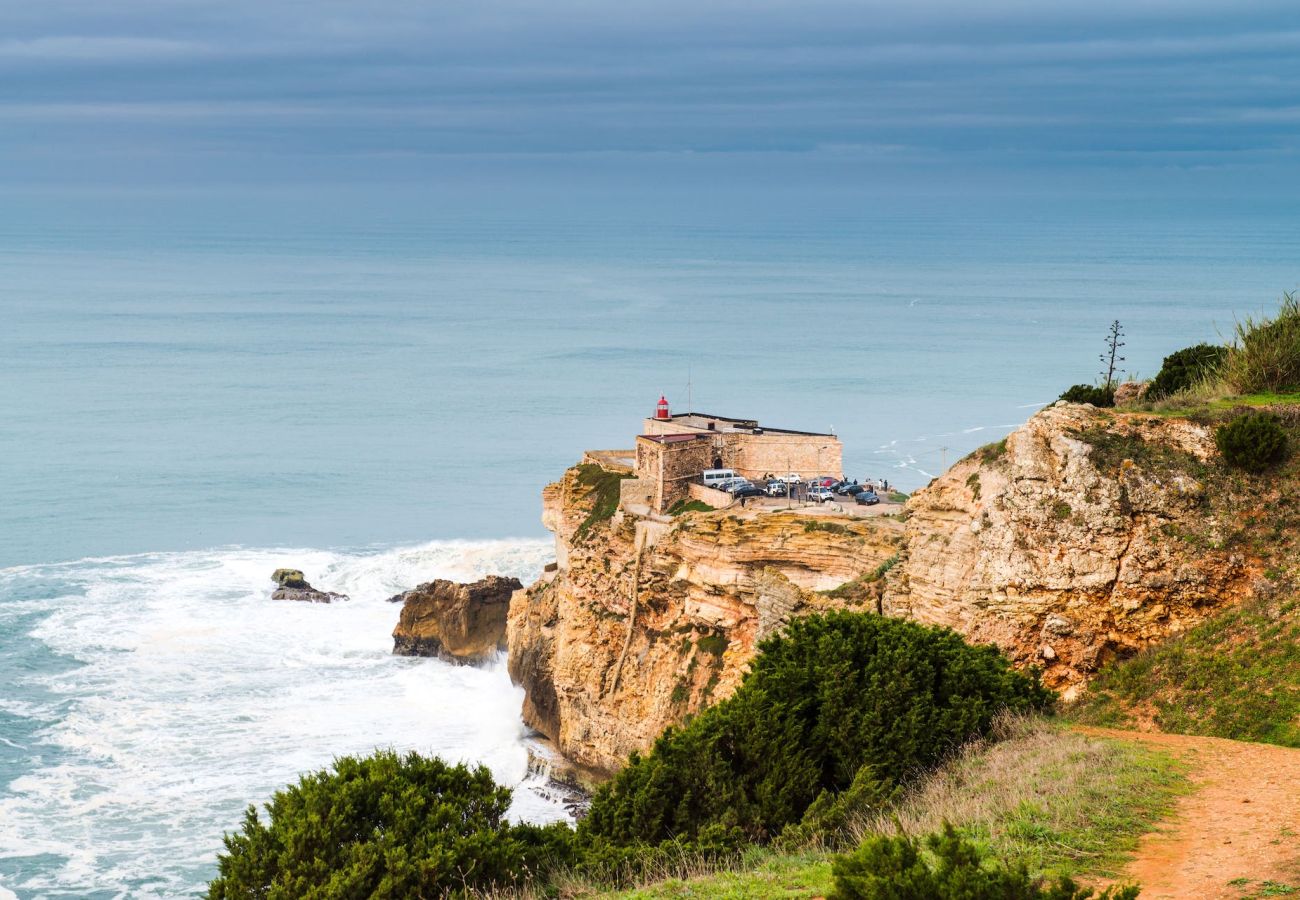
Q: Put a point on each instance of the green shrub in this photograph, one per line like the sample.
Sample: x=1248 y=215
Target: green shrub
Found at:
x=384 y=826
x=835 y=693
x=1265 y=355
x=1088 y=393
x=897 y=868
x=1185 y=368
x=1252 y=441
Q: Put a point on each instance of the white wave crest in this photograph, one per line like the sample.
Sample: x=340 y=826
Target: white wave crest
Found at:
x=184 y=693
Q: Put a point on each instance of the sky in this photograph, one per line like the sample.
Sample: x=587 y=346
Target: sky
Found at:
x=194 y=92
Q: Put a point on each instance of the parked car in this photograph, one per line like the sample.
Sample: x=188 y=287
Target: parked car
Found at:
x=867 y=498
x=747 y=490
x=820 y=494
x=851 y=490
x=777 y=489
x=825 y=481
x=737 y=484
x=792 y=478
x=727 y=484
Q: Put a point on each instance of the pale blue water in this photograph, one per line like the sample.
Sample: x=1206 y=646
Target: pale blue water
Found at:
x=191 y=380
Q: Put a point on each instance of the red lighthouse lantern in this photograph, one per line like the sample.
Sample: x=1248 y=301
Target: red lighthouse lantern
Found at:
x=661 y=408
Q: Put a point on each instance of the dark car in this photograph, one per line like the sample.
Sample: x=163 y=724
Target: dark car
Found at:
x=747 y=490
x=866 y=498
x=851 y=490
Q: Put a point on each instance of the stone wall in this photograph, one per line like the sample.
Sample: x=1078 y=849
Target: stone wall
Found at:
x=712 y=496
x=636 y=491
x=755 y=455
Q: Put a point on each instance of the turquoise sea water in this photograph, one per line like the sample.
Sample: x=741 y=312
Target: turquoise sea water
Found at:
x=198 y=387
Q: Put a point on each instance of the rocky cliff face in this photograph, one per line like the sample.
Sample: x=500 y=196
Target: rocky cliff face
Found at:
x=1086 y=534
x=464 y=623
x=645 y=622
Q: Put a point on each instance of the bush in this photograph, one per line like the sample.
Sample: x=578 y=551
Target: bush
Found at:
x=1087 y=393
x=1185 y=368
x=1265 y=356
x=835 y=693
x=1253 y=441
x=384 y=826
x=895 y=868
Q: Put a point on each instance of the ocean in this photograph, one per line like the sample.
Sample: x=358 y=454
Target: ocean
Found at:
x=374 y=385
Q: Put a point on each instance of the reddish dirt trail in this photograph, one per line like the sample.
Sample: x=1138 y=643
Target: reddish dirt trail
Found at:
x=1241 y=821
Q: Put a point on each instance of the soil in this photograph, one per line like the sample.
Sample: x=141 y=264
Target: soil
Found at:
x=1235 y=835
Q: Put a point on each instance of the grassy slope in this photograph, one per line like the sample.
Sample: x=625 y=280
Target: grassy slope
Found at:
x=1059 y=801
x=1235 y=676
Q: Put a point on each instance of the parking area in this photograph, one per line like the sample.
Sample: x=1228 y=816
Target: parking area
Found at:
x=839 y=506
x=834 y=497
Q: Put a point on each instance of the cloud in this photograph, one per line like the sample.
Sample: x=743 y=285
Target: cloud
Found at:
x=948 y=81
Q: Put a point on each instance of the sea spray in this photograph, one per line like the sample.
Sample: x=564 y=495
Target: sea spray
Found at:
x=161 y=694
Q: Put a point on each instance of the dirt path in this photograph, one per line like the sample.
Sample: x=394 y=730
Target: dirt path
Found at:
x=1242 y=821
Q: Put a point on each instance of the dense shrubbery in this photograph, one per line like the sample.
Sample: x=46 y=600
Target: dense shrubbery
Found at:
x=1185 y=368
x=384 y=826
x=1252 y=441
x=833 y=717
x=1265 y=356
x=1088 y=393
x=896 y=868
x=835 y=694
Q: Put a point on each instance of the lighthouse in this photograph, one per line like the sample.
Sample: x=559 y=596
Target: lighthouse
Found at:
x=661 y=408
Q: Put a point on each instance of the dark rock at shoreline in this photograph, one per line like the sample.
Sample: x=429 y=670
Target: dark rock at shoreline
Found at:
x=462 y=623
x=293 y=586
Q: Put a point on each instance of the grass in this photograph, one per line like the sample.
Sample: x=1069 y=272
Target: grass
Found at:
x=1235 y=676
x=1059 y=801
x=603 y=490
x=1111 y=448
x=688 y=506
x=831 y=527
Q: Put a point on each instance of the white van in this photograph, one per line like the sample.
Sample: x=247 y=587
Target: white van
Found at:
x=714 y=477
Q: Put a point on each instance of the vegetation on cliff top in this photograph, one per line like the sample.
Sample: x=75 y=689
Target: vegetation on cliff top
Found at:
x=1051 y=799
x=1235 y=676
x=383 y=826
x=602 y=490
x=839 y=699
x=835 y=716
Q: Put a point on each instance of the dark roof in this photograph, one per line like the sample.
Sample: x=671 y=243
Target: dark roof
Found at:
x=672 y=438
x=750 y=423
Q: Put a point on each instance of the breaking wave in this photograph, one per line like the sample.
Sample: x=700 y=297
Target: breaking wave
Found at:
x=152 y=698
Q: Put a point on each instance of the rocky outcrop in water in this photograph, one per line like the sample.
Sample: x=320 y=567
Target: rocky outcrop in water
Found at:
x=644 y=622
x=463 y=623
x=1087 y=534
x=293 y=586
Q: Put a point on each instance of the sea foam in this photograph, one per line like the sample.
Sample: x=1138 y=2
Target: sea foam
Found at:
x=176 y=692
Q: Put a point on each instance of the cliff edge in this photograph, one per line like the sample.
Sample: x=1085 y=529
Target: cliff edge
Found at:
x=647 y=620
x=1085 y=535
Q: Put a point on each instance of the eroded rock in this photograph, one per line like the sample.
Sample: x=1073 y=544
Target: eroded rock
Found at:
x=293 y=586
x=463 y=623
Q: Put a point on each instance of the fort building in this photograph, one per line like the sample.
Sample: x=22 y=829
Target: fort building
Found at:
x=673 y=451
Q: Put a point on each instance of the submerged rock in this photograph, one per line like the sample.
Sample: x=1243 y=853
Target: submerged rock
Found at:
x=293 y=586
x=462 y=623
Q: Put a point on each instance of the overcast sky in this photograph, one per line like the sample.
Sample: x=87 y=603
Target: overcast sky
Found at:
x=135 y=90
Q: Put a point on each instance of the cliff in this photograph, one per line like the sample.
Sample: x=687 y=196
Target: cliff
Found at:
x=646 y=621
x=1086 y=535
x=464 y=623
